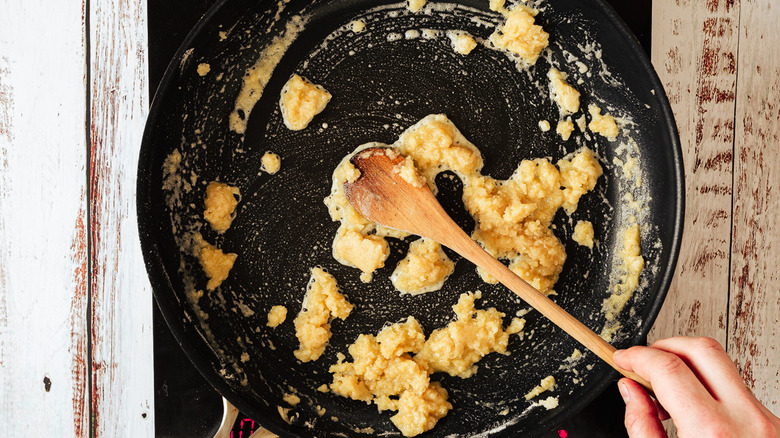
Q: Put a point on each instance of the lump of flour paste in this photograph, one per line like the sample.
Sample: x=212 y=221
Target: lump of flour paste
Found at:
x=322 y=302
x=521 y=36
x=424 y=268
x=221 y=200
x=301 y=100
x=215 y=263
x=393 y=368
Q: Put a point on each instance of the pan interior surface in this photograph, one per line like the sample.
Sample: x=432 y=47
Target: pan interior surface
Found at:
x=384 y=79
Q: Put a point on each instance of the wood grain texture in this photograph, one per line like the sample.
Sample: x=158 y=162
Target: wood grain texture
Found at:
x=694 y=51
x=754 y=308
x=122 y=371
x=43 y=246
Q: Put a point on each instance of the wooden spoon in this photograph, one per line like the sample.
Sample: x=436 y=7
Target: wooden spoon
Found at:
x=383 y=196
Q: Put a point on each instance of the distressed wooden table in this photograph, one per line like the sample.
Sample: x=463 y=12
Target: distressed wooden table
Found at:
x=75 y=304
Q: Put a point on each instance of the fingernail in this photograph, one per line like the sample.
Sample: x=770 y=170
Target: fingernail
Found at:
x=616 y=354
x=624 y=392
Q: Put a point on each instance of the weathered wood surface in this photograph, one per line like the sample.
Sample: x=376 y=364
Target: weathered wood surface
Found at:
x=754 y=307
x=694 y=51
x=121 y=312
x=720 y=65
x=43 y=244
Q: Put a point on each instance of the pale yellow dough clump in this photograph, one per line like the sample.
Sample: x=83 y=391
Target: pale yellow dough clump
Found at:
x=563 y=94
x=415 y=5
x=216 y=264
x=602 y=123
x=321 y=303
x=358 y=26
x=203 y=69
x=565 y=128
x=393 y=368
x=365 y=252
x=276 y=316
x=220 y=205
x=512 y=217
x=583 y=233
x=424 y=268
x=301 y=100
x=546 y=384
x=462 y=42
x=521 y=36
x=270 y=163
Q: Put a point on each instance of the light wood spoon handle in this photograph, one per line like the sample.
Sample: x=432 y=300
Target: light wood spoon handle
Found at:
x=383 y=196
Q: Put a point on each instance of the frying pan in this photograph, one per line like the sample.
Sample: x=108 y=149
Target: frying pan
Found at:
x=383 y=80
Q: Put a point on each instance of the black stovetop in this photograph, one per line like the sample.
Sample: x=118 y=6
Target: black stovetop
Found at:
x=185 y=404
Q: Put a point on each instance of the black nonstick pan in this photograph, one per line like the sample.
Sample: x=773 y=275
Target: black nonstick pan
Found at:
x=384 y=79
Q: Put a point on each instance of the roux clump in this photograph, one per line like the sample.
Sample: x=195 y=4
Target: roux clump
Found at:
x=563 y=94
x=462 y=42
x=603 y=124
x=216 y=264
x=301 y=100
x=270 y=163
x=322 y=302
x=521 y=36
x=424 y=268
x=583 y=233
x=393 y=368
x=276 y=316
x=220 y=205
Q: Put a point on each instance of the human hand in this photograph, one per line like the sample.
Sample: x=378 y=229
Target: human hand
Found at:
x=697 y=385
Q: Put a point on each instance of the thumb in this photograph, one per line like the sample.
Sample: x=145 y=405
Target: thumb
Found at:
x=641 y=413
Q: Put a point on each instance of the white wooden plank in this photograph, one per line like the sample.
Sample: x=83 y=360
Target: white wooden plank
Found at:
x=694 y=51
x=754 y=310
x=43 y=246
x=122 y=364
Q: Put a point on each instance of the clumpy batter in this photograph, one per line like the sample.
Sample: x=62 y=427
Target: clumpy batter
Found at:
x=462 y=42
x=393 y=368
x=203 y=69
x=220 y=205
x=563 y=94
x=301 y=100
x=564 y=128
x=270 y=163
x=424 y=268
x=602 y=124
x=583 y=233
x=276 y=316
x=415 y=5
x=512 y=217
x=520 y=35
x=546 y=384
x=216 y=264
x=322 y=302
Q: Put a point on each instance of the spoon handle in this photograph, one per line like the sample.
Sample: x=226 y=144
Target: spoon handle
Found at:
x=455 y=238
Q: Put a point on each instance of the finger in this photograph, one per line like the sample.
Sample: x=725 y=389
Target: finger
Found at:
x=641 y=418
x=675 y=385
x=710 y=363
x=662 y=414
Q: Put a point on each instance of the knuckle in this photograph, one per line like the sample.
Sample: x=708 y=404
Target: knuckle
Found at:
x=765 y=427
x=670 y=364
x=707 y=343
